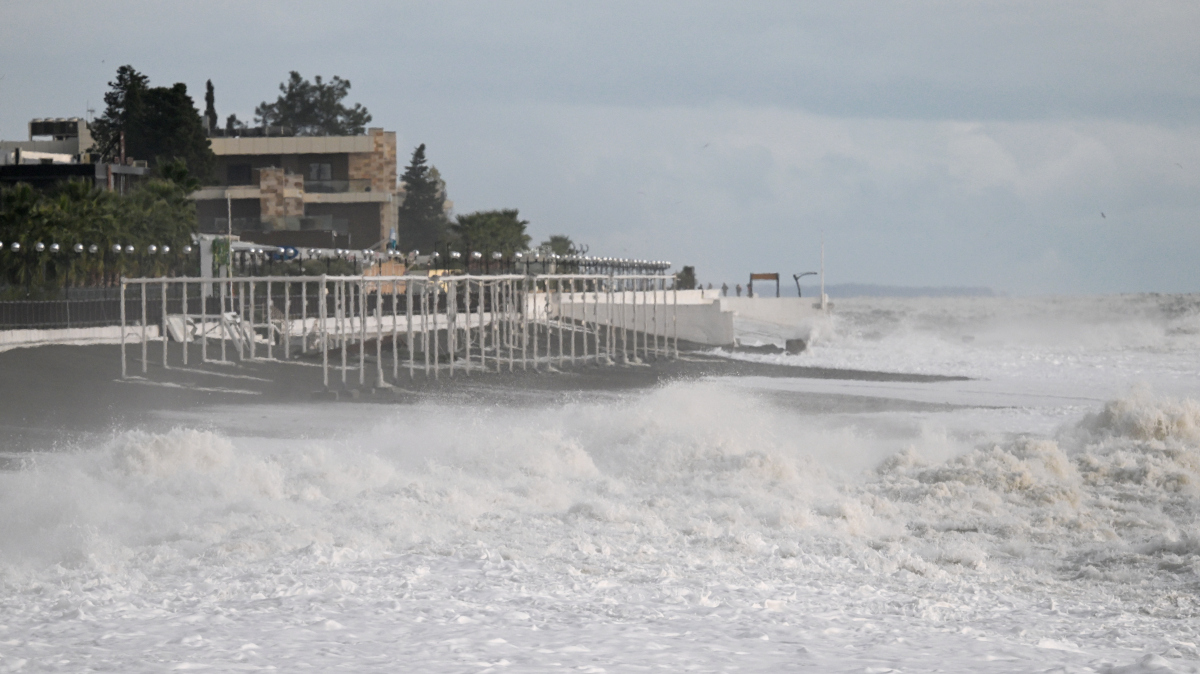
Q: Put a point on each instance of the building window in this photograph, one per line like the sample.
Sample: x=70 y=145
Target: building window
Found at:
x=320 y=171
x=238 y=174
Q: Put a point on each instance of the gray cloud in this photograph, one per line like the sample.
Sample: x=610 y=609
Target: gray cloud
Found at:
x=932 y=143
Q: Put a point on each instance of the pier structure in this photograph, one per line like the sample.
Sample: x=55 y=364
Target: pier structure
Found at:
x=372 y=331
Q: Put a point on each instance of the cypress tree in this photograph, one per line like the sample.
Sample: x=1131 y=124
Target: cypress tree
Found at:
x=210 y=109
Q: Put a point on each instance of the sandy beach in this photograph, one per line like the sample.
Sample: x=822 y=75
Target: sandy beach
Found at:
x=52 y=394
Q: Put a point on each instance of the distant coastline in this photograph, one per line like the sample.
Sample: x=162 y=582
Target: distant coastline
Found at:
x=842 y=290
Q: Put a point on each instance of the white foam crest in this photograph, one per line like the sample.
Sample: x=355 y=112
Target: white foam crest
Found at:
x=1114 y=496
x=698 y=458
x=1144 y=416
x=695 y=502
x=697 y=465
x=172 y=496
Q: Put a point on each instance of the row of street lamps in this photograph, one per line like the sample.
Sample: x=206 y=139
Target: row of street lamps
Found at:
x=435 y=259
x=129 y=249
x=368 y=255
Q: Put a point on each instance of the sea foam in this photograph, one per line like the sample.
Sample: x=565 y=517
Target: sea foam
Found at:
x=697 y=517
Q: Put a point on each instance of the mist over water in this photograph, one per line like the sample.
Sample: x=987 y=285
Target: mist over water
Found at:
x=716 y=524
x=1090 y=348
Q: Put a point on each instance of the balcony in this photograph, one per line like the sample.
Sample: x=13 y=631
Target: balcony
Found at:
x=322 y=223
x=337 y=186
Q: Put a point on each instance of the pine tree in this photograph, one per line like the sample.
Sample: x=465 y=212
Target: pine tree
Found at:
x=686 y=278
x=123 y=108
x=500 y=231
x=160 y=124
x=314 y=108
x=422 y=216
x=559 y=244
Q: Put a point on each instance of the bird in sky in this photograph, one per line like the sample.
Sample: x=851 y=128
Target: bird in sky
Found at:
x=1103 y=215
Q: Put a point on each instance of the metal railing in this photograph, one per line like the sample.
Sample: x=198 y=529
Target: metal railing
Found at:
x=337 y=186
x=59 y=314
x=429 y=324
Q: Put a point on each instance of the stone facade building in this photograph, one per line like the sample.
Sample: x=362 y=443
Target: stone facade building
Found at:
x=311 y=191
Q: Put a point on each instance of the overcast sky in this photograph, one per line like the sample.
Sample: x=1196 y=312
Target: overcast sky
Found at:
x=1040 y=147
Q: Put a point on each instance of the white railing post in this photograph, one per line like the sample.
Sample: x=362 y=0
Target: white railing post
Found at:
x=304 y=315
x=610 y=352
x=425 y=325
x=524 y=309
x=268 y=319
x=412 y=351
x=184 y=314
x=322 y=298
x=253 y=332
x=341 y=325
x=123 y=371
x=437 y=340
x=244 y=321
x=183 y=310
x=497 y=313
x=675 y=314
x=452 y=319
x=559 y=321
x=654 y=330
x=144 y=330
x=508 y=324
x=395 y=326
x=163 y=320
x=573 y=338
x=483 y=335
x=287 y=321
x=221 y=320
x=362 y=330
x=204 y=323
x=379 y=334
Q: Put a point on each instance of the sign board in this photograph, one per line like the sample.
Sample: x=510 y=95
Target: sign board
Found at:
x=764 y=277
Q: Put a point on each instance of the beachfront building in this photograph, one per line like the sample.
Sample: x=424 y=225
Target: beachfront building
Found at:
x=303 y=191
x=59 y=150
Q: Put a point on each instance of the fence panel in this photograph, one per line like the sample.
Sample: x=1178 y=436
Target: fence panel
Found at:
x=430 y=326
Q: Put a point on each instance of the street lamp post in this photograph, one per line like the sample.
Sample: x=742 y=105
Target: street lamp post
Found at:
x=797 y=277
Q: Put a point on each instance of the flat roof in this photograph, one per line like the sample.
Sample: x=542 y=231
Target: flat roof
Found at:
x=292 y=145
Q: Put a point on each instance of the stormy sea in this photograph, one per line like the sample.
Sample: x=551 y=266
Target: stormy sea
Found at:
x=1041 y=513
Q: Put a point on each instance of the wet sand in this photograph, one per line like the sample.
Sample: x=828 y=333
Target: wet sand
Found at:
x=58 y=394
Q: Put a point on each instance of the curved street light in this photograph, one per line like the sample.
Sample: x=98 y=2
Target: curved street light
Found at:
x=797 y=277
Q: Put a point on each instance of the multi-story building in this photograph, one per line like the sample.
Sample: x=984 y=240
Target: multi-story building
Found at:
x=313 y=191
x=58 y=150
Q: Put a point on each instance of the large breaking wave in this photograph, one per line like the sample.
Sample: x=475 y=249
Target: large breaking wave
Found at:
x=697 y=505
x=699 y=467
